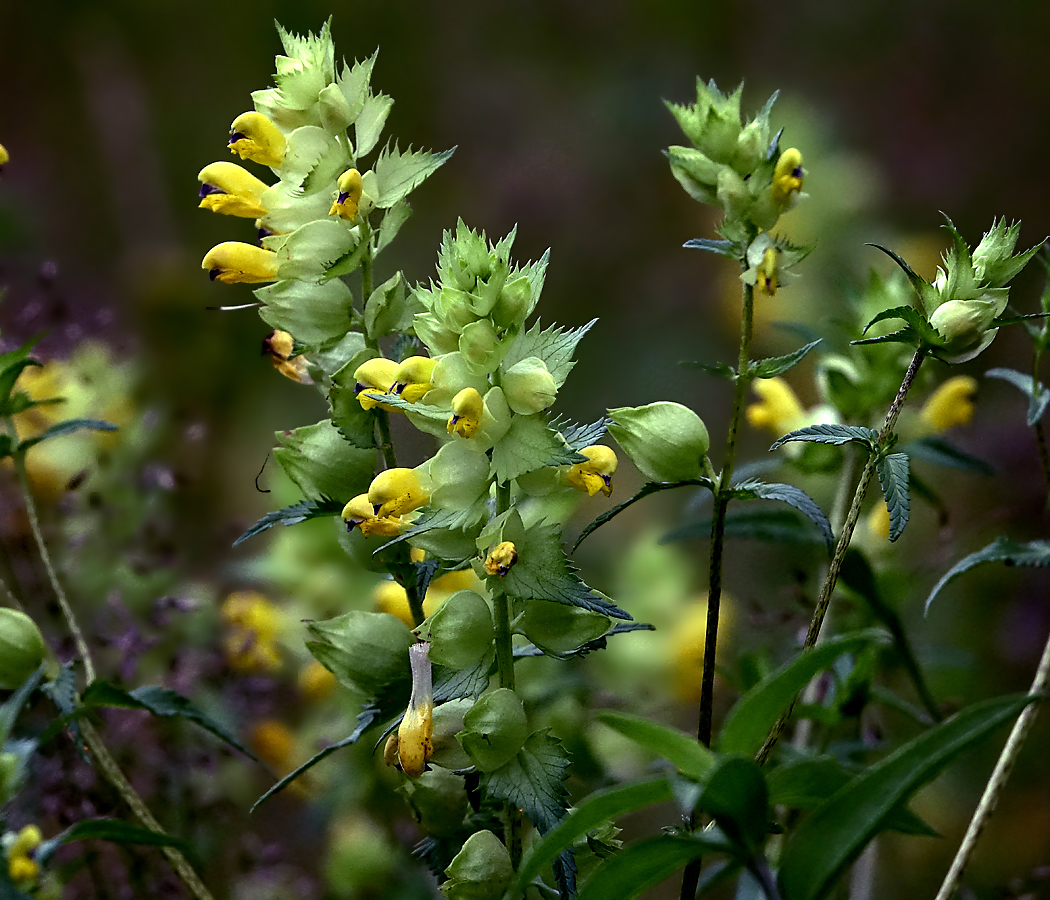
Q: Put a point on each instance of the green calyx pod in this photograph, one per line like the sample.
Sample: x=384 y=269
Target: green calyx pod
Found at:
x=529 y=387
x=665 y=440
x=365 y=650
x=964 y=325
x=438 y=800
x=459 y=632
x=513 y=303
x=455 y=308
x=495 y=729
x=22 y=648
x=482 y=869
x=456 y=476
x=559 y=628
x=733 y=194
x=751 y=147
x=480 y=346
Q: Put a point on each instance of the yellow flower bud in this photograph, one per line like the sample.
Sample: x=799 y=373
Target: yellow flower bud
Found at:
x=349 y=199
x=787 y=176
x=254 y=625
x=279 y=346
x=254 y=137
x=950 y=405
x=767 y=272
x=502 y=557
x=467 y=409
x=595 y=474
x=231 y=190
x=416 y=731
x=412 y=378
x=395 y=492
x=359 y=513
x=231 y=262
x=778 y=409
x=23 y=870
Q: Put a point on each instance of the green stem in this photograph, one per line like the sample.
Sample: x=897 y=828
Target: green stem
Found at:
x=852 y=515
x=386 y=442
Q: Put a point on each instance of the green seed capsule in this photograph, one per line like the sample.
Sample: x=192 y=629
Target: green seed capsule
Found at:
x=22 y=648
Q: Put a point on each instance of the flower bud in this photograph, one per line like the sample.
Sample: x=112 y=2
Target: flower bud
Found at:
x=495 y=420
x=348 y=200
x=336 y=114
x=666 y=441
x=414 y=734
x=503 y=556
x=455 y=308
x=231 y=190
x=467 y=410
x=513 y=304
x=964 y=326
x=595 y=474
x=22 y=648
x=395 y=492
x=751 y=148
x=495 y=729
x=460 y=631
x=480 y=346
x=232 y=261
x=529 y=387
x=559 y=628
x=254 y=137
x=733 y=194
x=482 y=869
x=365 y=650
x=787 y=176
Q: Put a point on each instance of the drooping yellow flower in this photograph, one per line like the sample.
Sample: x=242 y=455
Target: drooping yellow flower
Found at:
x=359 y=513
x=372 y=377
x=412 y=378
x=22 y=869
x=254 y=137
x=467 y=408
x=232 y=261
x=395 y=492
x=787 y=176
x=315 y=682
x=950 y=405
x=778 y=409
x=348 y=200
x=231 y=190
x=502 y=557
x=416 y=731
x=254 y=624
x=390 y=597
x=595 y=474
x=280 y=346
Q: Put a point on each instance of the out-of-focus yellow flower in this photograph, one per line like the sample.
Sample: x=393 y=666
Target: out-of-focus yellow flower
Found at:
x=390 y=597
x=467 y=408
x=595 y=474
x=787 y=176
x=412 y=378
x=767 y=272
x=397 y=491
x=254 y=624
x=502 y=557
x=232 y=261
x=231 y=190
x=22 y=869
x=315 y=682
x=5 y=157
x=274 y=743
x=360 y=513
x=280 y=346
x=778 y=409
x=416 y=731
x=877 y=522
x=372 y=377
x=349 y=198
x=950 y=405
x=687 y=646
x=254 y=137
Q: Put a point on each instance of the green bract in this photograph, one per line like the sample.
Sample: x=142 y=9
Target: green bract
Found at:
x=364 y=650
x=22 y=648
x=460 y=631
x=665 y=440
x=482 y=869
x=495 y=729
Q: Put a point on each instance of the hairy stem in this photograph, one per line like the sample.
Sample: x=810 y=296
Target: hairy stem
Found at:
x=852 y=515
x=386 y=442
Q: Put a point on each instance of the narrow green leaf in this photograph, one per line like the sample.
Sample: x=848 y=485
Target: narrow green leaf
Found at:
x=776 y=525
x=778 y=365
x=907 y=335
x=755 y=713
x=1036 y=392
x=922 y=287
x=1002 y=549
x=937 y=450
x=718 y=370
x=737 y=799
x=116 y=831
x=1015 y=320
x=13 y=705
x=728 y=249
x=293 y=515
x=831 y=434
x=791 y=495
x=684 y=752
x=893 y=470
x=580 y=436
x=66 y=427
x=834 y=834
x=599 y=808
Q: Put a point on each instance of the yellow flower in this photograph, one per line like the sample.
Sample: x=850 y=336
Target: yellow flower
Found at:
x=595 y=474
x=390 y=597
x=254 y=137
x=778 y=409
x=467 y=409
x=416 y=732
x=687 y=646
x=274 y=744
x=231 y=190
x=4 y=156
x=395 y=492
x=412 y=378
x=787 y=176
x=950 y=405
x=254 y=624
x=359 y=513
x=315 y=682
x=231 y=262
x=767 y=272
x=502 y=557
x=372 y=377
x=23 y=870
x=280 y=346
x=349 y=199
x=878 y=521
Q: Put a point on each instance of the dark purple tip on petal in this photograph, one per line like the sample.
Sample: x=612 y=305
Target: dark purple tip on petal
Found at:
x=264 y=233
x=398 y=388
x=797 y=171
x=236 y=136
x=342 y=197
x=358 y=387
x=608 y=480
x=214 y=273
x=208 y=189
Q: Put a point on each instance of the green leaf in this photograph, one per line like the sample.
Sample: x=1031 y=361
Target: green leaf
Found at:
x=792 y=496
x=651 y=487
x=1017 y=320
x=423 y=410
x=580 y=436
x=684 y=752
x=778 y=365
x=599 y=808
x=755 y=713
x=11 y=366
x=777 y=525
x=13 y=705
x=893 y=470
x=737 y=799
x=391 y=224
x=399 y=173
x=313 y=313
x=718 y=370
x=728 y=249
x=8 y=891
x=937 y=450
x=923 y=288
x=66 y=427
x=160 y=701
x=353 y=421
x=348 y=261
x=390 y=308
x=323 y=464
x=834 y=834
x=907 y=335
x=533 y=781
x=528 y=445
x=831 y=434
x=431 y=520
x=1002 y=549
x=636 y=868
x=370 y=121
x=1038 y=395
x=293 y=515
x=553 y=345
x=116 y=831
x=544 y=572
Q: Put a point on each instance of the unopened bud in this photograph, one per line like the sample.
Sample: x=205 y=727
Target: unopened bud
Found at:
x=665 y=440
x=22 y=648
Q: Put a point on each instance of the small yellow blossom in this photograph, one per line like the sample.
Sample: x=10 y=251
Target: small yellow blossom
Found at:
x=280 y=346
x=315 y=682
x=232 y=261
x=372 y=377
x=4 y=156
x=22 y=869
x=878 y=522
x=412 y=378
x=395 y=492
x=595 y=474
x=349 y=198
x=274 y=743
x=254 y=137
x=416 y=732
x=254 y=624
x=359 y=513
x=502 y=557
x=950 y=405
x=787 y=176
x=767 y=272
x=687 y=644
x=231 y=190
x=778 y=409
x=467 y=408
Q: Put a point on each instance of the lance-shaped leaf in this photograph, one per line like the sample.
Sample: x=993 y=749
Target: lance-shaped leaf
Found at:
x=893 y=470
x=293 y=515
x=683 y=751
x=116 y=831
x=1002 y=549
x=831 y=434
x=737 y=798
x=67 y=427
x=776 y=525
x=1036 y=392
x=13 y=705
x=393 y=219
x=834 y=834
x=580 y=436
x=778 y=365
x=11 y=366
x=728 y=249
x=370 y=121
x=937 y=450
x=719 y=370
x=791 y=495
x=914 y=319
x=906 y=335
x=923 y=288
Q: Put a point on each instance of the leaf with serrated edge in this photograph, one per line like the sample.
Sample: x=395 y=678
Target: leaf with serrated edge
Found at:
x=791 y=495
x=778 y=365
x=322 y=463
x=906 y=335
x=1036 y=391
x=893 y=470
x=66 y=427
x=534 y=781
x=722 y=248
x=831 y=434
x=651 y=487
x=684 y=752
x=293 y=515
x=400 y=173
x=580 y=436
x=1002 y=549
x=717 y=370
x=528 y=445
x=116 y=831
x=553 y=345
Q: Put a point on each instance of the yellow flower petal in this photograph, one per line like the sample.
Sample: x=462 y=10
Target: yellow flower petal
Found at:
x=416 y=732
x=950 y=405
x=778 y=409
x=254 y=137
x=788 y=175
x=348 y=200
x=596 y=474
x=395 y=492
x=502 y=557
x=231 y=190
x=231 y=262
x=467 y=408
